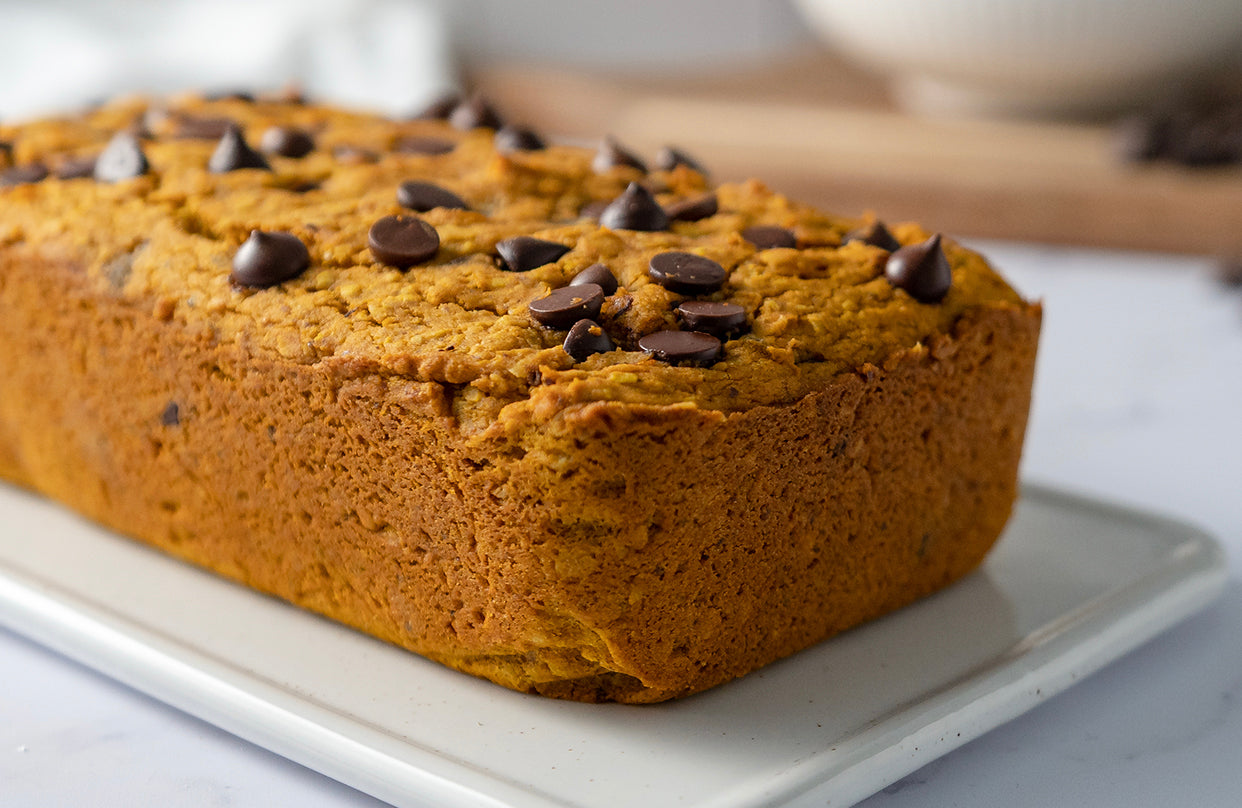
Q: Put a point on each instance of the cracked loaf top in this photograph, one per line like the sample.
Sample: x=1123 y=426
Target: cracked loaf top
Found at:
x=457 y=250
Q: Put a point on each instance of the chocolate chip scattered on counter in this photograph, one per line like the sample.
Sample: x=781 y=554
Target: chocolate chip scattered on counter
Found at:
x=669 y=158
x=354 y=155
x=474 y=113
x=233 y=153
x=22 y=175
x=268 y=258
x=694 y=208
x=718 y=319
x=567 y=305
x=593 y=209
x=402 y=241
x=518 y=138
x=875 y=234
x=74 y=168
x=171 y=416
x=121 y=159
x=524 y=253
x=287 y=141
x=676 y=347
x=598 y=274
x=586 y=337
x=921 y=269
x=421 y=144
x=194 y=127
x=440 y=108
x=424 y=196
x=686 y=273
x=768 y=237
x=635 y=209
x=611 y=155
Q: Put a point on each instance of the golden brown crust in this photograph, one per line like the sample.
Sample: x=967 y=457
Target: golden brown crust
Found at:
x=617 y=529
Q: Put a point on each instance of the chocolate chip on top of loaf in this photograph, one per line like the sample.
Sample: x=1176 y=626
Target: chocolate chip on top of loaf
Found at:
x=541 y=412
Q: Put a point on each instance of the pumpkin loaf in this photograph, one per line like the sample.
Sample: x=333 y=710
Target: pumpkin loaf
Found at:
x=583 y=426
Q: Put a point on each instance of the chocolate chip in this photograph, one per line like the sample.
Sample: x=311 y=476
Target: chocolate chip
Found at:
x=610 y=155
x=675 y=347
x=1206 y=143
x=402 y=241
x=22 y=175
x=593 y=209
x=287 y=141
x=669 y=158
x=516 y=138
x=121 y=159
x=1142 y=137
x=635 y=209
x=474 y=113
x=718 y=319
x=567 y=305
x=193 y=127
x=267 y=258
x=769 y=237
x=229 y=95
x=524 y=253
x=694 y=208
x=686 y=273
x=599 y=275
x=354 y=155
x=171 y=416
x=586 y=337
x=440 y=108
x=233 y=153
x=419 y=144
x=74 y=168
x=921 y=269
x=424 y=196
x=875 y=234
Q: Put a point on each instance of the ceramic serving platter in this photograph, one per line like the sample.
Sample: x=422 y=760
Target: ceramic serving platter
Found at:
x=1073 y=585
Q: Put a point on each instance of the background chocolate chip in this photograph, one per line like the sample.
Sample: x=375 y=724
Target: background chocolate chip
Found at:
x=586 y=337
x=440 y=108
x=73 y=168
x=768 y=237
x=233 y=153
x=419 y=144
x=287 y=141
x=424 y=196
x=516 y=138
x=718 y=319
x=402 y=241
x=268 y=258
x=669 y=158
x=565 y=306
x=524 y=253
x=875 y=234
x=21 y=175
x=676 y=347
x=922 y=270
x=694 y=208
x=194 y=127
x=598 y=274
x=121 y=159
x=474 y=113
x=610 y=155
x=635 y=209
x=686 y=273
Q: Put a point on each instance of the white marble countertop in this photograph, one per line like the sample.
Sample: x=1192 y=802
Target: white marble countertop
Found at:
x=1138 y=400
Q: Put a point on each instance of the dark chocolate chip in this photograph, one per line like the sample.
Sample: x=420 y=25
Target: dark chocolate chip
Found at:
x=669 y=158
x=193 y=127
x=423 y=196
x=635 y=209
x=233 y=153
x=229 y=95
x=171 y=416
x=354 y=155
x=921 y=269
x=610 y=155
x=517 y=138
x=599 y=275
x=287 y=141
x=875 y=234
x=440 y=108
x=22 y=175
x=769 y=237
x=567 y=305
x=524 y=253
x=474 y=113
x=694 y=208
x=586 y=337
x=73 y=168
x=420 y=144
x=402 y=241
x=593 y=209
x=1205 y=143
x=686 y=273
x=718 y=319
x=121 y=159
x=675 y=347
x=267 y=258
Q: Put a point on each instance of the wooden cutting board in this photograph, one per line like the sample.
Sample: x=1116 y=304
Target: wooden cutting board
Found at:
x=825 y=134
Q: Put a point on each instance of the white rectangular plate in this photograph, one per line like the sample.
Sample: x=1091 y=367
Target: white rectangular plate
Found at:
x=1072 y=585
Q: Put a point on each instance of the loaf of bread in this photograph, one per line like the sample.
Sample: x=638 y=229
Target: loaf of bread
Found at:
x=585 y=427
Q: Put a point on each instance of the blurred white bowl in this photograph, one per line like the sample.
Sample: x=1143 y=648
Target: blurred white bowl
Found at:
x=1028 y=56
